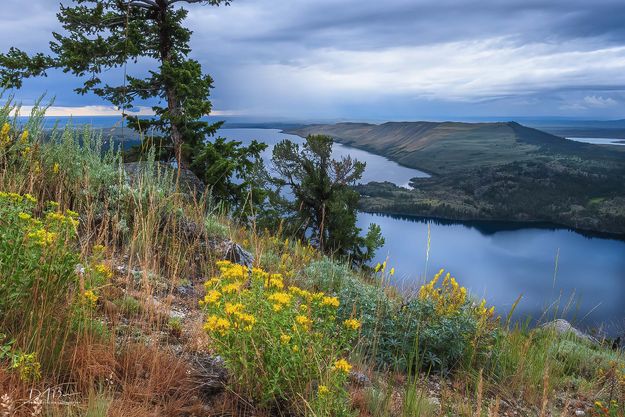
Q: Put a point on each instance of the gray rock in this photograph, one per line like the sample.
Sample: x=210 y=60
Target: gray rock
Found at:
x=208 y=373
x=235 y=253
x=580 y=413
x=359 y=379
x=563 y=327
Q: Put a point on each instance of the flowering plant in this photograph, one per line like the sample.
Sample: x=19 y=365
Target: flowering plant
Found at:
x=280 y=343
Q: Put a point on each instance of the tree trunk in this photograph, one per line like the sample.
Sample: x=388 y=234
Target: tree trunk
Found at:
x=173 y=102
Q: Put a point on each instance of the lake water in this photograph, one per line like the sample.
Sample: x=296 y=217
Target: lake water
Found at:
x=378 y=167
x=600 y=141
x=554 y=269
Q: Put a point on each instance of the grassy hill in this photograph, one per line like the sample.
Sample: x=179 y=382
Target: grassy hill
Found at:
x=503 y=171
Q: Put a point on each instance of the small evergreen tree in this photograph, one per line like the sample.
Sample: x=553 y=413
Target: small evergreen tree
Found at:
x=100 y=35
x=320 y=203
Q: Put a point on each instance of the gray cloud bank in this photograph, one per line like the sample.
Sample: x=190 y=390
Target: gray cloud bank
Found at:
x=397 y=59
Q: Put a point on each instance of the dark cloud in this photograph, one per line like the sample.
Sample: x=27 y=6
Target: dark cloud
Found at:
x=355 y=59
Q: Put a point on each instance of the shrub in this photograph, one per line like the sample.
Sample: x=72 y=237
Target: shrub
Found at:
x=283 y=346
x=444 y=327
x=45 y=294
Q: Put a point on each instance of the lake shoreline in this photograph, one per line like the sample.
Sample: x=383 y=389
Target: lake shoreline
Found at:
x=493 y=221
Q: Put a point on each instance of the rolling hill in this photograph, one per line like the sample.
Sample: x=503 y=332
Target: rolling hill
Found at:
x=449 y=147
x=492 y=171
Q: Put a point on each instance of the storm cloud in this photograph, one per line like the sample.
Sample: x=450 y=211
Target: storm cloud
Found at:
x=397 y=59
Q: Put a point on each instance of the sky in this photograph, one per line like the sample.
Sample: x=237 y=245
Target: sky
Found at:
x=366 y=60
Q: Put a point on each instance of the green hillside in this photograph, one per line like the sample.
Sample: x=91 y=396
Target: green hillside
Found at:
x=449 y=147
x=503 y=171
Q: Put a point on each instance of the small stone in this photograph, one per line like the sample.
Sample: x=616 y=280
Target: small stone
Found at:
x=434 y=401
x=359 y=379
x=580 y=413
x=175 y=314
x=562 y=327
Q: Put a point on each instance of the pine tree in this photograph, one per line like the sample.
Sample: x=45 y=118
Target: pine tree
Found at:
x=100 y=35
x=320 y=203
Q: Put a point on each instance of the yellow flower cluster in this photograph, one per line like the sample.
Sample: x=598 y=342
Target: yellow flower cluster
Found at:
x=5 y=138
x=303 y=321
x=352 y=324
x=280 y=300
x=217 y=324
x=448 y=298
x=330 y=301
x=104 y=270
x=70 y=217
x=342 y=365
x=91 y=297
x=18 y=198
x=42 y=237
x=24 y=216
x=211 y=297
x=484 y=312
x=236 y=289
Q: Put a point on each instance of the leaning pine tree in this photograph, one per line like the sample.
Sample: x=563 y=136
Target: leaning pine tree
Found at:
x=100 y=35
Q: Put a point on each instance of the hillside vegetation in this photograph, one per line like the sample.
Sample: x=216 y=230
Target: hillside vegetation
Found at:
x=502 y=171
x=129 y=295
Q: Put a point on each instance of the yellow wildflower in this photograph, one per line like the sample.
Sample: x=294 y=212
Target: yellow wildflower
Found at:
x=104 y=270
x=4 y=133
x=330 y=301
x=322 y=390
x=230 y=288
x=352 y=324
x=211 y=297
x=30 y=198
x=303 y=321
x=247 y=319
x=91 y=297
x=24 y=137
x=275 y=281
x=342 y=365
x=231 y=308
x=56 y=168
x=295 y=348
x=285 y=339
x=42 y=237
x=280 y=298
x=217 y=325
x=211 y=283
x=24 y=216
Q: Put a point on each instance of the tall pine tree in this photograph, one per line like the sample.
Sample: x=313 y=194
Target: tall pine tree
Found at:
x=100 y=35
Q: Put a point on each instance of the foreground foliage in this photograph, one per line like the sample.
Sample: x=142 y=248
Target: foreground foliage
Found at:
x=281 y=343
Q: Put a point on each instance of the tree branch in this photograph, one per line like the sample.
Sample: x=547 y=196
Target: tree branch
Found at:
x=146 y=4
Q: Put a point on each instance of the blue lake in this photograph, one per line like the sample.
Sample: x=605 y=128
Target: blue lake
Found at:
x=558 y=272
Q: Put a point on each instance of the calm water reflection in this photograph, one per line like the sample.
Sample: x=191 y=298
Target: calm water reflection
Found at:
x=501 y=261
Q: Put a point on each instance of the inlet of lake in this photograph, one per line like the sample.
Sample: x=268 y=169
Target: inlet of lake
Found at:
x=557 y=271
